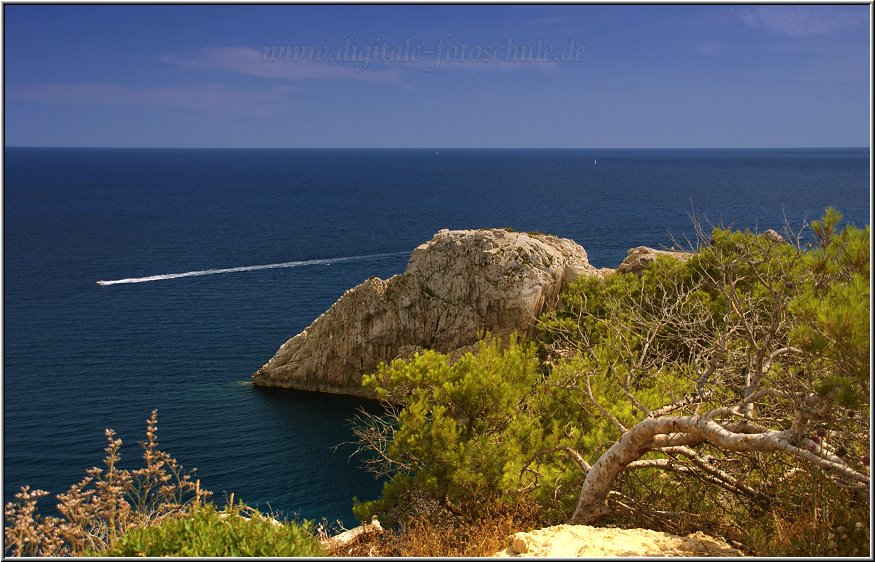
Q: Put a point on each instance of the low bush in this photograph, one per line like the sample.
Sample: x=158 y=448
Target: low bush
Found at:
x=455 y=438
x=156 y=510
x=206 y=531
x=102 y=506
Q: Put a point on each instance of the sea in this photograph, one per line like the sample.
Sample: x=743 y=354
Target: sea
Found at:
x=213 y=258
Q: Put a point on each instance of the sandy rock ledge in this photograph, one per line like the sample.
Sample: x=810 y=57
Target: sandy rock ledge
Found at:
x=584 y=541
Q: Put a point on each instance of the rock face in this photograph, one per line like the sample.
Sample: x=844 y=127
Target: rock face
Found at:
x=773 y=236
x=458 y=283
x=583 y=541
x=638 y=258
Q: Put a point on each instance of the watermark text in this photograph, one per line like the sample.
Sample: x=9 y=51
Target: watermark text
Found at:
x=364 y=54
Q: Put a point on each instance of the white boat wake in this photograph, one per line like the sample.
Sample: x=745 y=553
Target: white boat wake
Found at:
x=246 y=268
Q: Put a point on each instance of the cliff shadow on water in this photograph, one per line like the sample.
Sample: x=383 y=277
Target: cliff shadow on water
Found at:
x=317 y=426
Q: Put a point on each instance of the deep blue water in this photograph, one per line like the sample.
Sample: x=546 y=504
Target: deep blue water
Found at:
x=79 y=357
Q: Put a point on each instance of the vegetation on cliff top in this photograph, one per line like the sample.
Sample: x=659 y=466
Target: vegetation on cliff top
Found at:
x=725 y=393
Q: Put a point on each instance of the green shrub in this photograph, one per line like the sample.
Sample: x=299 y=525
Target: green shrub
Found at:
x=205 y=531
x=833 y=308
x=452 y=437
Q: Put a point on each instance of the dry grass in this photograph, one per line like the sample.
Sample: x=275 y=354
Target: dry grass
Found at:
x=809 y=514
x=97 y=510
x=439 y=533
x=815 y=518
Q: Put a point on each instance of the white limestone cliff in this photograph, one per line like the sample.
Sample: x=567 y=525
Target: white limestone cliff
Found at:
x=456 y=285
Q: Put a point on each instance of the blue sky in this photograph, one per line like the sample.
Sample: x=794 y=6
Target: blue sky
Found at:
x=559 y=76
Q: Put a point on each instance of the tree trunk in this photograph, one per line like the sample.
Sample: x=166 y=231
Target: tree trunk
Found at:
x=600 y=478
x=655 y=433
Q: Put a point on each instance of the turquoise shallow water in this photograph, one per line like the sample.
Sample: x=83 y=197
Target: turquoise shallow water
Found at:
x=80 y=357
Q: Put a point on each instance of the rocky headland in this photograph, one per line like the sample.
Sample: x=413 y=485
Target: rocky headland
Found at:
x=456 y=285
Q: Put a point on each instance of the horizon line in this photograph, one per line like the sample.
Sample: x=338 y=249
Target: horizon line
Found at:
x=866 y=147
